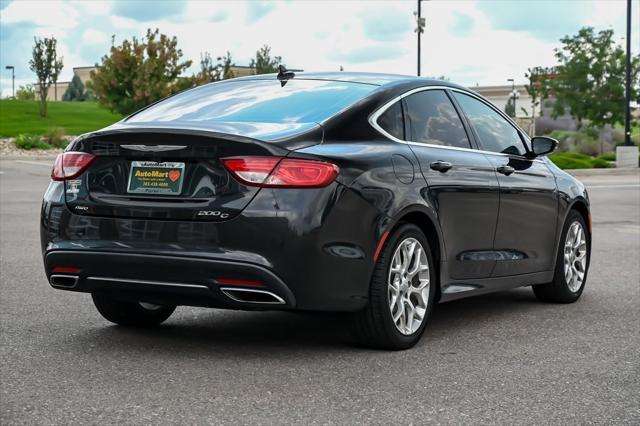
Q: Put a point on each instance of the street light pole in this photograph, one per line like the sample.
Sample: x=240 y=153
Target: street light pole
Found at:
x=513 y=94
x=627 y=97
x=420 y=33
x=420 y=24
x=13 y=80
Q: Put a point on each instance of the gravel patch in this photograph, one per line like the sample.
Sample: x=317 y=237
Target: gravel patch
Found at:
x=8 y=150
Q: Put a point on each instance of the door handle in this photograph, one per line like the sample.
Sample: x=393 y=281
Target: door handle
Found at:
x=505 y=170
x=441 y=166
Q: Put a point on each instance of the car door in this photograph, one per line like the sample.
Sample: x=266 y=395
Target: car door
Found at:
x=459 y=182
x=525 y=235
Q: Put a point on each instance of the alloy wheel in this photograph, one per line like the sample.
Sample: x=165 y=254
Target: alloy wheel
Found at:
x=408 y=286
x=575 y=257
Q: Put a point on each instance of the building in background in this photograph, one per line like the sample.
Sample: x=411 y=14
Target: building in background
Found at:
x=56 y=91
x=500 y=95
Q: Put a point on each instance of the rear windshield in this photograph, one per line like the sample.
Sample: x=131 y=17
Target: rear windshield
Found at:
x=265 y=101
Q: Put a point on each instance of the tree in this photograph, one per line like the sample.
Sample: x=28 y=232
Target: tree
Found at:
x=26 y=93
x=538 y=87
x=209 y=71
x=45 y=64
x=263 y=63
x=538 y=90
x=226 y=63
x=75 y=91
x=589 y=79
x=138 y=72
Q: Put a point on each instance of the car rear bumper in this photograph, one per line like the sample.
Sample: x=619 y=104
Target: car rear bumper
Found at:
x=306 y=247
x=168 y=279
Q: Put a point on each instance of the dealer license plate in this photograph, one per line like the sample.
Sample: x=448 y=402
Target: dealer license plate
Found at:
x=148 y=177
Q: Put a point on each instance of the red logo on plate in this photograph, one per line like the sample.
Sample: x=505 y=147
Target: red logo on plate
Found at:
x=174 y=175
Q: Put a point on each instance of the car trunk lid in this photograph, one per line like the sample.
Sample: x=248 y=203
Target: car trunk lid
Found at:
x=173 y=173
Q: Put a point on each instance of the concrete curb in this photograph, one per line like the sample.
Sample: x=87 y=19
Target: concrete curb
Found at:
x=604 y=172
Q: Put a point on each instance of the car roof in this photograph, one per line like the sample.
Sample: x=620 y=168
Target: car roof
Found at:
x=376 y=79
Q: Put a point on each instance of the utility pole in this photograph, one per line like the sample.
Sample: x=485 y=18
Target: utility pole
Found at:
x=13 y=80
x=627 y=153
x=627 y=97
x=420 y=24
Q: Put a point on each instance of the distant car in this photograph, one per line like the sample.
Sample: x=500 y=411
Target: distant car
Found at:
x=368 y=193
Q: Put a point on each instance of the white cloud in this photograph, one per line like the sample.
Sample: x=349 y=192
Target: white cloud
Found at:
x=314 y=35
x=92 y=36
x=45 y=13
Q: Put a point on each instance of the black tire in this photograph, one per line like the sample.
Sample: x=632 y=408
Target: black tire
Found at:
x=131 y=314
x=558 y=291
x=374 y=325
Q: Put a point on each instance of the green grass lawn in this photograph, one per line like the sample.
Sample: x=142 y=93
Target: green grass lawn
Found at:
x=22 y=117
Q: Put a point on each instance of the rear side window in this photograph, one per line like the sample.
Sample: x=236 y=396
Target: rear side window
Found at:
x=433 y=120
x=496 y=134
x=392 y=121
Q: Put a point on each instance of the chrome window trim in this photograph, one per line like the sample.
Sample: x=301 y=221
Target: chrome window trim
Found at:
x=373 y=121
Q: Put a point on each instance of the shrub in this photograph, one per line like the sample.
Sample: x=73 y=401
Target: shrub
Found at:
x=574 y=160
x=618 y=136
x=26 y=93
x=599 y=163
x=571 y=140
x=589 y=148
x=55 y=137
x=31 y=142
x=609 y=156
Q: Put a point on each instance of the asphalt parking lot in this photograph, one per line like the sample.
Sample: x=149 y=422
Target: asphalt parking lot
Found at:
x=503 y=358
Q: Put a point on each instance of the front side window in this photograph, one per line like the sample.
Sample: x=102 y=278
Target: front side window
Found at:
x=433 y=120
x=495 y=133
x=392 y=121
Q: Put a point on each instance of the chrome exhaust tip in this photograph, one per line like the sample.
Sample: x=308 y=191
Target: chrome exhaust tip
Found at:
x=63 y=281
x=249 y=295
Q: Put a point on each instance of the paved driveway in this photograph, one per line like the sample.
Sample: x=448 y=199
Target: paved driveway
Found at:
x=503 y=358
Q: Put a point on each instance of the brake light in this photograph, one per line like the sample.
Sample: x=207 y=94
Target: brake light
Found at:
x=69 y=165
x=277 y=172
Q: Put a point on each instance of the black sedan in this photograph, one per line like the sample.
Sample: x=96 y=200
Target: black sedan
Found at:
x=375 y=194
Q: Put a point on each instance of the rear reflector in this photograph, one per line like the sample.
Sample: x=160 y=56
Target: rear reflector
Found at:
x=233 y=281
x=380 y=245
x=277 y=172
x=69 y=165
x=65 y=269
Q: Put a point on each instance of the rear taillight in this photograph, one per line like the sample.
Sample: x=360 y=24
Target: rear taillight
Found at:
x=69 y=165
x=275 y=172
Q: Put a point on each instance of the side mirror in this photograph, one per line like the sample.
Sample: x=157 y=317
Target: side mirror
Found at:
x=542 y=145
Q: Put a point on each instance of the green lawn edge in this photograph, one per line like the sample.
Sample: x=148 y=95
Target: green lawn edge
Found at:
x=22 y=117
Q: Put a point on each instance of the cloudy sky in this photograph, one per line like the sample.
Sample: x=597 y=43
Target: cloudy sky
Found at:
x=471 y=42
